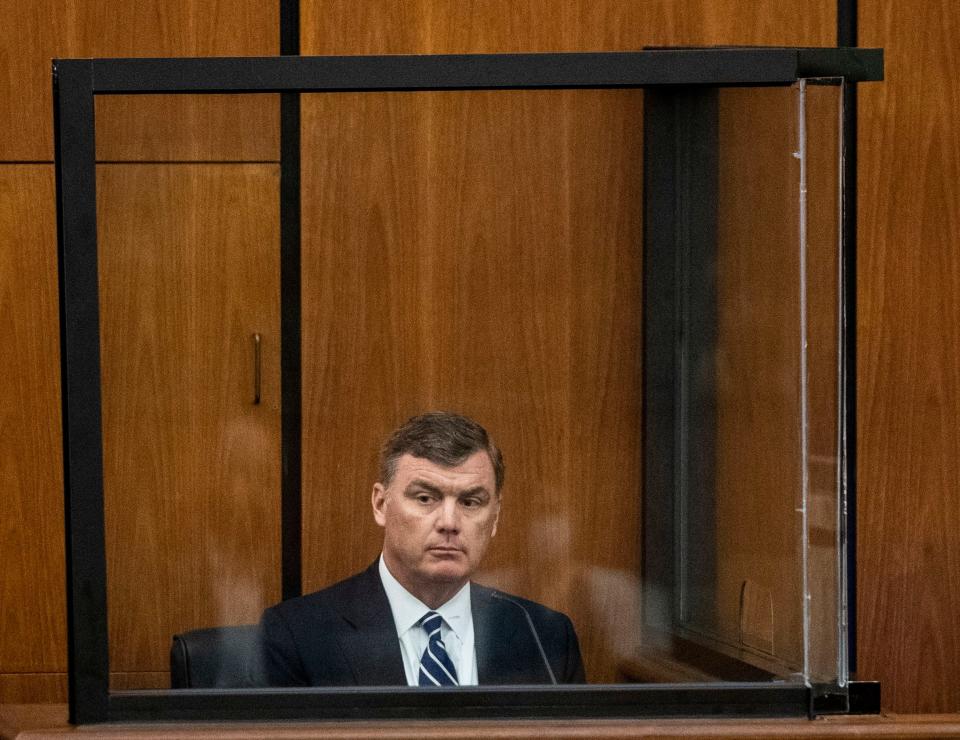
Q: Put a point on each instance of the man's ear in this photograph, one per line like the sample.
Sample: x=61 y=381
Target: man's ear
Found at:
x=496 y=519
x=379 y=500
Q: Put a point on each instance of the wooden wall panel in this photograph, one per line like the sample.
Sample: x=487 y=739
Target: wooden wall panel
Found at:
x=363 y=345
x=33 y=33
x=188 y=128
x=490 y=26
x=189 y=270
x=407 y=222
x=33 y=688
x=534 y=324
x=32 y=608
x=522 y=312
x=909 y=342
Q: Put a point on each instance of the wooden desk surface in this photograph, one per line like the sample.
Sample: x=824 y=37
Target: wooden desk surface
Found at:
x=35 y=721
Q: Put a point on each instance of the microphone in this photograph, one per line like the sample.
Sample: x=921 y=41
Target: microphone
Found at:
x=533 y=631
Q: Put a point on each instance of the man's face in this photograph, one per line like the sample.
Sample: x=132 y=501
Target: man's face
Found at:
x=437 y=522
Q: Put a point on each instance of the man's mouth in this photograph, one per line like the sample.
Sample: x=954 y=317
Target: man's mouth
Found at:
x=444 y=549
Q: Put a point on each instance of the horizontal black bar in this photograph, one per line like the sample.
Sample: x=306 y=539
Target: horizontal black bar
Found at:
x=566 y=702
x=715 y=66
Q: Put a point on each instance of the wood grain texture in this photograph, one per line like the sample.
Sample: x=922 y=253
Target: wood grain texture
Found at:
x=908 y=374
x=32 y=608
x=34 y=33
x=126 y=681
x=33 y=688
x=189 y=270
x=188 y=128
x=496 y=273
x=502 y=26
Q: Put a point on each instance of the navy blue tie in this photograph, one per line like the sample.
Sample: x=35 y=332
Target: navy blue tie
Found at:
x=436 y=668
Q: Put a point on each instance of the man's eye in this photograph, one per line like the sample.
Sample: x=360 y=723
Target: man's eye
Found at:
x=471 y=503
x=424 y=498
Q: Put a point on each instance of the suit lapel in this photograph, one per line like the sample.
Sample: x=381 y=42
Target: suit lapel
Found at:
x=369 y=637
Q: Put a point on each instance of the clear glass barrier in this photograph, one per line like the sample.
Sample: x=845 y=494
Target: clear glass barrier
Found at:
x=188 y=250
x=479 y=252
x=825 y=537
x=759 y=516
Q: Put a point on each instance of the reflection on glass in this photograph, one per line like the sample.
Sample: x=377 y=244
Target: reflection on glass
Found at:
x=512 y=294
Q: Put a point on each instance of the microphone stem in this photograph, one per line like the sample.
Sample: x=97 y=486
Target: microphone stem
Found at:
x=533 y=631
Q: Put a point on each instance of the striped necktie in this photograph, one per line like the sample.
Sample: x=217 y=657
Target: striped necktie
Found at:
x=436 y=668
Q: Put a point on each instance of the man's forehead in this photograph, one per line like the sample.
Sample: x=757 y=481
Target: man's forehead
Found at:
x=477 y=467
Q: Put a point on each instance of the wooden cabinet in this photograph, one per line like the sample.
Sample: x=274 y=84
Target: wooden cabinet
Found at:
x=189 y=273
x=222 y=128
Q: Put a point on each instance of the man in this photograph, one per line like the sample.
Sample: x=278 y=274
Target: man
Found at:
x=413 y=617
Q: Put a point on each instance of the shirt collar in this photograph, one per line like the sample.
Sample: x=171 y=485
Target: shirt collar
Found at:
x=408 y=609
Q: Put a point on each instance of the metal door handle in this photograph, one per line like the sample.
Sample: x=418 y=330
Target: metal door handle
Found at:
x=256 y=368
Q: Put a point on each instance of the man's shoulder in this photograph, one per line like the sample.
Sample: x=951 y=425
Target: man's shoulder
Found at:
x=329 y=599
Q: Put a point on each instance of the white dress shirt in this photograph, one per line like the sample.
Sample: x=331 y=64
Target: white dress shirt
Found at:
x=456 y=631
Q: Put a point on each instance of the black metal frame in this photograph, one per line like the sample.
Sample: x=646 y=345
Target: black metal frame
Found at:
x=847 y=32
x=76 y=82
x=681 y=170
x=291 y=508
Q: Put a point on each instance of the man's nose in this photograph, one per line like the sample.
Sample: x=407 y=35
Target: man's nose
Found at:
x=448 y=517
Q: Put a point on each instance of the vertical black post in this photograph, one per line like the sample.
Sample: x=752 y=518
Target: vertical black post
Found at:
x=88 y=659
x=847 y=36
x=291 y=581
x=679 y=317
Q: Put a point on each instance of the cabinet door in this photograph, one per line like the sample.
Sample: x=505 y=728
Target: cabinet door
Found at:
x=189 y=274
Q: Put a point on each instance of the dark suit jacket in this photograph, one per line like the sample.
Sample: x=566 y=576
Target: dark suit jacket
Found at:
x=344 y=635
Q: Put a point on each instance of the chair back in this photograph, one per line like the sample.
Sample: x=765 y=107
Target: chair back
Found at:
x=217 y=658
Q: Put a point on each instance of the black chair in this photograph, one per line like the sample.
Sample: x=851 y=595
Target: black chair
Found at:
x=217 y=658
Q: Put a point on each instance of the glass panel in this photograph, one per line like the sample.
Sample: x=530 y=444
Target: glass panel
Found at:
x=758 y=513
x=821 y=107
x=740 y=559
x=188 y=275
x=481 y=252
